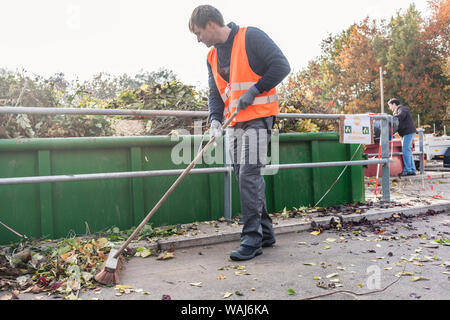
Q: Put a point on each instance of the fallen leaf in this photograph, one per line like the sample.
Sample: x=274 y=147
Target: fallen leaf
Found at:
x=122 y=287
x=404 y=274
x=227 y=294
x=165 y=255
x=315 y=233
x=143 y=252
x=221 y=277
x=290 y=291
x=239 y=267
x=335 y=280
x=196 y=284
x=414 y=279
x=331 y=275
x=66 y=255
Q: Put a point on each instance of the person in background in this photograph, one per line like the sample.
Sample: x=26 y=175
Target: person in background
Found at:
x=244 y=67
x=407 y=130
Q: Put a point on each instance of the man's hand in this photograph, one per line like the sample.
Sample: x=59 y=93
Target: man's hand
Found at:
x=215 y=130
x=247 y=98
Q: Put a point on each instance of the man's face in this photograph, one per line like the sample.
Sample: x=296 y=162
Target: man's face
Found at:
x=205 y=35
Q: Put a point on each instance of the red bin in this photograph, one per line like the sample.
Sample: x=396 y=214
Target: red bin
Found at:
x=396 y=167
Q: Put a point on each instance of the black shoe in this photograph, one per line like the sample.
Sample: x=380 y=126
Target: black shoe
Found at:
x=245 y=253
x=268 y=242
x=403 y=174
x=413 y=173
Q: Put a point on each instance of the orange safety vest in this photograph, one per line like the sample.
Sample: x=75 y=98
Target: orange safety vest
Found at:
x=242 y=78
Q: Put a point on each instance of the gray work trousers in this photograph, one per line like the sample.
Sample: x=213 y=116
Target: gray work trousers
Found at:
x=249 y=142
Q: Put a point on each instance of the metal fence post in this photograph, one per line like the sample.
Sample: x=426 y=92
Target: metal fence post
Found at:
x=385 y=156
x=422 y=158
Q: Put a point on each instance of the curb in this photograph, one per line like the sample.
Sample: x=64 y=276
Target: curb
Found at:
x=372 y=215
x=433 y=175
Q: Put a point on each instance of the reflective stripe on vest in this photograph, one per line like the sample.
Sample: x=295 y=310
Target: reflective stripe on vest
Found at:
x=257 y=101
x=226 y=94
x=242 y=86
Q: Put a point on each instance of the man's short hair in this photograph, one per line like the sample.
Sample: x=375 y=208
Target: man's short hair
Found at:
x=394 y=101
x=204 y=14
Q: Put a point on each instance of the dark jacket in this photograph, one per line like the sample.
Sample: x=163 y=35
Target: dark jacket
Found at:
x=406 y=124
x=265 y=59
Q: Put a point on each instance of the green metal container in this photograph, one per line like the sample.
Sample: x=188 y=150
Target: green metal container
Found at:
x=53 y=210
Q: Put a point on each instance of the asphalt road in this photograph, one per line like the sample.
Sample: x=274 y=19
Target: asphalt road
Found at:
x=301 y=265
x=359 y=259
x=394 y=259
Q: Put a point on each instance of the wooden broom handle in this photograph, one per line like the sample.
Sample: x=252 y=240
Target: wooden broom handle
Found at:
x=174 y=185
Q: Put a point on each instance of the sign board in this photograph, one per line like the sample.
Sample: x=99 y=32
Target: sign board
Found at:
x=356 y=129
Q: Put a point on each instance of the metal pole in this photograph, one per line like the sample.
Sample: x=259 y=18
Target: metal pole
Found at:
x=150 y=113
x=325 y=164
x=102 y=112
x=382 y=90
x=106 y=176
x=158 y=173
x=385 y=156
x=422 y=158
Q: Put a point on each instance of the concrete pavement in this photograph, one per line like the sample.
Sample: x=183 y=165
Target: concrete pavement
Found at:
x=391 y=243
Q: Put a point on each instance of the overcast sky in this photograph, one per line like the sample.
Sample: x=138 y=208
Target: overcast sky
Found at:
x=81 y=38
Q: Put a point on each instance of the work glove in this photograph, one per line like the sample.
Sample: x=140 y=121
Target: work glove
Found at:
x=215 y=130
x=247 y=98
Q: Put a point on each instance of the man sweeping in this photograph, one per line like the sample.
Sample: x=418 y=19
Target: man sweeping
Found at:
x=244 y=67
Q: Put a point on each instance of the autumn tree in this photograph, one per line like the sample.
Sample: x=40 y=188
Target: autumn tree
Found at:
x=413 y=52
x=357 y=82
x=415 y=61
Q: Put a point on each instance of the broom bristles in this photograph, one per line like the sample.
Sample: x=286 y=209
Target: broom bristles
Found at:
x=109 y=276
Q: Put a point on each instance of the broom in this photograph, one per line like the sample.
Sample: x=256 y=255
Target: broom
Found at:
x=109 y=272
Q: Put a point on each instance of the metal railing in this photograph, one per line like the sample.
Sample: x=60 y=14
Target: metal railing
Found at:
x=227 y=169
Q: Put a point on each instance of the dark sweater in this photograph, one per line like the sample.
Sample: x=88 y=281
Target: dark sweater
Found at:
x=265 y=59
x=406 y=124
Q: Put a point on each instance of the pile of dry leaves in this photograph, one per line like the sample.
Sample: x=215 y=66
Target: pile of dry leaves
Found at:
x=64 y=267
